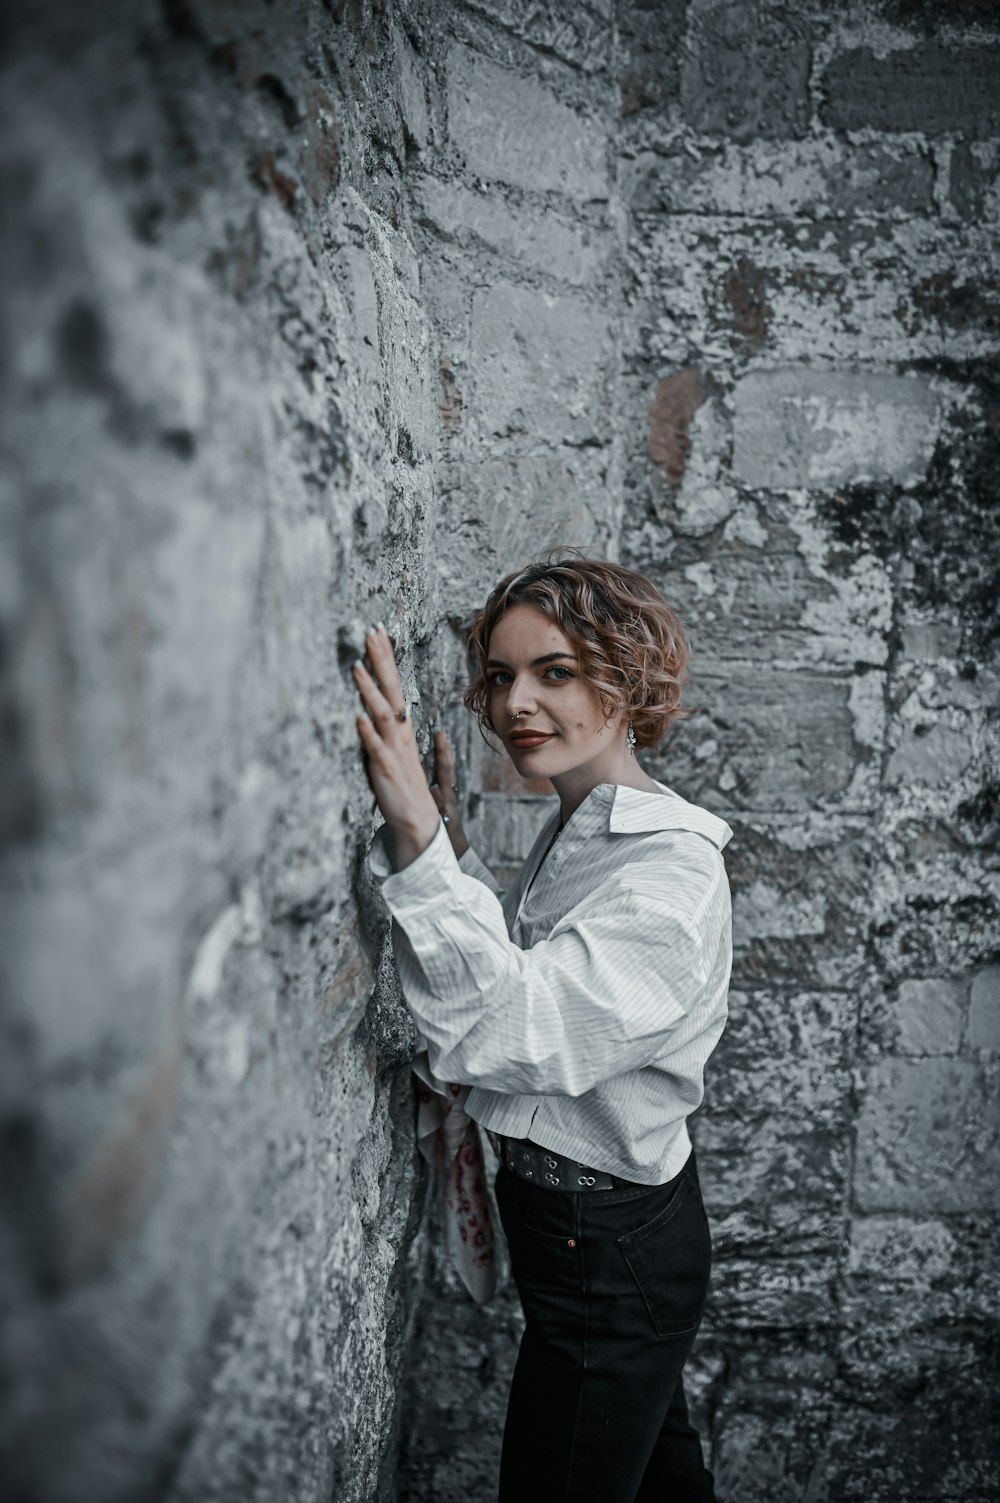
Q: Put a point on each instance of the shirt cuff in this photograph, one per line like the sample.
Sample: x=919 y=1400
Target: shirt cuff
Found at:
x=427 y=879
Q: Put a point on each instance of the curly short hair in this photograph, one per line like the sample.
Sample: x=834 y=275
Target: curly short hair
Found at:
x=631 y=645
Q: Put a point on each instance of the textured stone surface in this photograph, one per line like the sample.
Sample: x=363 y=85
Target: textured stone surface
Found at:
x=493 y=509
x=933 y=89
x=931 y=1017
x=817 y=430
x=929 y=1137
x=532 y=237
x=218 y=352
x=539 y=369
x=746 y=70
x=513 y=128
x=984 y=1010
x=822 y=520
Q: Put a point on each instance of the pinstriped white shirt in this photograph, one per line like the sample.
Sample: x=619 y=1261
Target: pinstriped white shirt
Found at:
x=582 y=1004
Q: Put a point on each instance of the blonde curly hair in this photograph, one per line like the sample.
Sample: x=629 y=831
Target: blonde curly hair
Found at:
x=631 y=645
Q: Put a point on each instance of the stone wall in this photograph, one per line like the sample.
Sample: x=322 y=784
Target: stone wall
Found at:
x=808 y=411
x=221 y=416
x=324 y=314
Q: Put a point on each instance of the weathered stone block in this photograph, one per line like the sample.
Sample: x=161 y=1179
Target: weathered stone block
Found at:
x=820 y=429
x=767 y=1185
x=933 y=89
x=774 y=1293
x=785 y=1053
x=541 y=366
x=896 y=1249
x=513 y=129
x=802 y=893
x=579 y=33
x=652 y=37
x=944 y=1448
x=520 y=233
x=823 y=177
x=930 y=1016
x=800 y=287
x=984 y=1009
x=929 y=1137
x=498 y=514
x=412 y=95
x=932 y=911
x=745 y=70
x=729 y=755
x=974 y=180
x=769 y=1434
x=759 y=589
x=930 y=753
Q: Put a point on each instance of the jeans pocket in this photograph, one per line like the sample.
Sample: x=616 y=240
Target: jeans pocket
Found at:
x=670 y=1260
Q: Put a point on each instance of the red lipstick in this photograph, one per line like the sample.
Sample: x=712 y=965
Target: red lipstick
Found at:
x=525 y=739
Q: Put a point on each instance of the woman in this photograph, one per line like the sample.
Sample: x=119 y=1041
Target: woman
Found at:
x=581 y=1011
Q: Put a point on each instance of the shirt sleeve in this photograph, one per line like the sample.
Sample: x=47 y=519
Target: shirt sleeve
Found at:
x=382 y=860
x=471 y=864
x=596 y=998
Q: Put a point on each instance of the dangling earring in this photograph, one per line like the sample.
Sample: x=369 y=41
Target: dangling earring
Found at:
x=630 y=739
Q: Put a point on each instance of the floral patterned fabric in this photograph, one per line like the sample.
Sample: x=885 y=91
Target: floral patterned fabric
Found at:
x=449 y=1140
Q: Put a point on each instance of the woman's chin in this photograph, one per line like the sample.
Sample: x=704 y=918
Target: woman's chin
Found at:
x=528 y=756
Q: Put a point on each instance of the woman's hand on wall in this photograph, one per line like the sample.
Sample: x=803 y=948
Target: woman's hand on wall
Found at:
x=444 y=791
x=392 y=760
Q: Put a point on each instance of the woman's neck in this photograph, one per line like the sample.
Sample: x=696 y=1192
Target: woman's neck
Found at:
x=574 y=785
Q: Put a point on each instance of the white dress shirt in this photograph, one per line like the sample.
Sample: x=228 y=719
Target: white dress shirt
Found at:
x=582 y=1004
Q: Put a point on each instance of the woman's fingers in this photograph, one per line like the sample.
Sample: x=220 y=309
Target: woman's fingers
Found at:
x=378 y=700
x=444 y=758
x=377 y=705
x=382 y=660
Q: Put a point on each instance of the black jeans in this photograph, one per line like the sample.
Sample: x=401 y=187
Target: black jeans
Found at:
x=613 y=1285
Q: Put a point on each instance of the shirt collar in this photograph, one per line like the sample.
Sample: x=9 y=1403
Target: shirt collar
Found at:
x=633 y=809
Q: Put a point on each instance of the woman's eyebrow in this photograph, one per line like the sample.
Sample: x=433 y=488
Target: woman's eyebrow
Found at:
x=549 y=657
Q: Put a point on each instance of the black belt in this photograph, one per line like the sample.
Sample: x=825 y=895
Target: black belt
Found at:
x=540 y=1166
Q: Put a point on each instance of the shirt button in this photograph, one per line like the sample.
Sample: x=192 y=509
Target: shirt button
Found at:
x=571 y=1242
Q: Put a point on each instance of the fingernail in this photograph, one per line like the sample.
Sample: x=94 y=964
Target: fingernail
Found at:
x=357 y=663
x=381 y=624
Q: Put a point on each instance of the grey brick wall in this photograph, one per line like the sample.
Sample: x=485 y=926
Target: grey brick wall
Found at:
x=320 y=315
x=220 y=416
x=805 y=424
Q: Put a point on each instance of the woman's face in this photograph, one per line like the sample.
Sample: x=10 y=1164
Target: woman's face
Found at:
x=534 y=674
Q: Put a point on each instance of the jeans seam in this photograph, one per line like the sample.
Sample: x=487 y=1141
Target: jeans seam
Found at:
x=581 y=1250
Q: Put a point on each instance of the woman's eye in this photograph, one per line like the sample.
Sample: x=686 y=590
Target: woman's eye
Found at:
x=498 y=674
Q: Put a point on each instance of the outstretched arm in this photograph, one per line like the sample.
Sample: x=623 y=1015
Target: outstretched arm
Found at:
x=412 y=810
x=392 y=759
